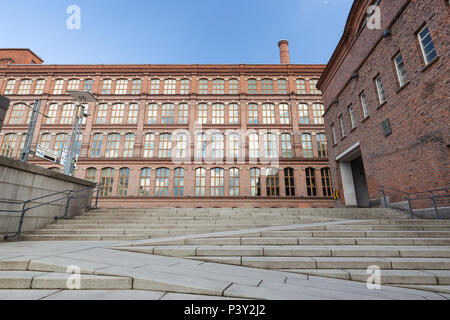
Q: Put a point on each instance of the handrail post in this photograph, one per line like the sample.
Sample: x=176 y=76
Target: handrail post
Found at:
x=384 y=196
x=22 y=216
x=410 y=206
x=96 y=198
x=435 y=205
x=67 y=205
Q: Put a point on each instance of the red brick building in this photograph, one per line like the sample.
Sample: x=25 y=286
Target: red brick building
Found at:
x=180 y=135
x=386 y=93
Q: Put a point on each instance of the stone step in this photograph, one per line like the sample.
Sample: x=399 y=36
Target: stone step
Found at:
x=358 y=234
x=110 y=237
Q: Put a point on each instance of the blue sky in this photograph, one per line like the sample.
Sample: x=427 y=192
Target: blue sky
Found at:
x=175 y=31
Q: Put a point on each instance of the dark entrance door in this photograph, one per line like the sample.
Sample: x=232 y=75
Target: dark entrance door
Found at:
x=360 y=182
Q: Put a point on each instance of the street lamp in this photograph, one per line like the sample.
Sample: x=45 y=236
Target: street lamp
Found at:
x=68 y=153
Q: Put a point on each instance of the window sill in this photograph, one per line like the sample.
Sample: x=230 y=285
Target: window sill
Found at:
x=425 y=68
x=343 y=138
x=353 y=129
x=381 y=105
x=365 y=119
x=403 y=86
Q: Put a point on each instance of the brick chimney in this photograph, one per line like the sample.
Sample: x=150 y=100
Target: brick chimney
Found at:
x=284 y=52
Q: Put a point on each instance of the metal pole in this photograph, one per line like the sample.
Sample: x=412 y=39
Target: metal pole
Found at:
x=68 y=167
x=30 y=132
x=435 y=205
x=410 y=207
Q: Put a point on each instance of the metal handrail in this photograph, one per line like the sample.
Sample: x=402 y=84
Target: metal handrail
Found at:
x=67 y=196
x=410 y=197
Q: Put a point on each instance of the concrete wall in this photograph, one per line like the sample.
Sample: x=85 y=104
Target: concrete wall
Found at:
x=20 y=181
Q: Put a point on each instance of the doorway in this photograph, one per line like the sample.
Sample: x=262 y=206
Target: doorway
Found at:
x=360 y=182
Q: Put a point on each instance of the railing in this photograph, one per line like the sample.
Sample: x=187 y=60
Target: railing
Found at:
x=66 y=195
x=434 y=195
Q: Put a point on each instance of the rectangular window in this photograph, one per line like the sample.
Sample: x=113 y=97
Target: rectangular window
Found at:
x=136 y=86
x=51 y=114
x=318 y=113
x=364 y=105
x=333 y=131
x=255 y=182
x=286 y=145
x=39 y=88
x=233 y=86
x=165 y=145
x=313 y=86
x=88 y=85
x=144 y=184
x=149 y=145
x=352 y=117
x=106 y=88
x=185 y=86
x=121 y=86
x=252 y=86
x=218 y=86
x=200 y=182
x=301 y=86
x=268 y=114
x=234 y=182
x=218 y=114
x=57 y=89
x=129 y=145
x=289 y=182
x=341 y=121
x=307 y=146
x=10 y=85
x=101 y=114
x=167 y=113
x=203 y=86
x=112 y=146
x=427 y=45
x=170 y=86
x=303 y=113
x=96 y=145
x=67 y=114
x=132 y=113
x=73 y=85
x=282 y=86
x=400 y=68
x=24 y=87
x=272 y=182
x=253 y=114
x=202 y=113
x=284 y=114
x=217 y=182
x=152 y=113
x=233 y=113
x=154 y=86
x=178 y=182
x=267 y=86
x=124 y=176
x=380 y=90
x=117 y=113
x=322 y=148
x=183 y=114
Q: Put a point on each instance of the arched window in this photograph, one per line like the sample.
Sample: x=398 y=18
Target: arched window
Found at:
x=129 y=145
x=322 y=145
x=39 y=88
x=282 y=86
x=200 y=182
x=154 y=86
x=133 y=110
x=233 y=86
x=233 y=146
x=253 y=146
x=18 y=114
x=170 y=86
x=181 y=146
x=88 y=83
x=200 y=146
x=121 y=86
x=270 y=146
x=268 y=113
x=167 y=113
x=96 y=145
x=234 y=182
x=117 y=113
x=303 y=113
x=251 y=83
x=289 y=182
x=67 y=114
x=60 y=141
x=267 y=86
x=107 y=181
x=202 y=116
x=284 y=113
x=73 y=85
x=185 y=86
x=203 y=86
x=255 y=182
x=313 y=86
x=45 y=140
x=326 y=182
x=217 y=146
x=136 y=86
x=152 y=113
x=183 y=113
x=218 y=113
x=102 y=112
x=91 y=174
x=165 y=145
x=311 y=182
x=162 y=182
x=272 y=182
x=51 y=113
x=149 y=145
x=124 y=177
x=218 y=86
x=24 y=87
x=318 y=113
x=301 y=86
x=252 y=113
x=233 y=112
x=217 y=182
x=286 y=145
x=144 y=184
x=10 y=85
x=9 y=141
x=307 y=145
x=58 y=86
x=178 y=182
x=106 y=86
x=112 y=146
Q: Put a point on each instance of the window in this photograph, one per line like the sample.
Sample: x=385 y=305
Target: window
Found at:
x=39 y=88
x=268 y=114
x=364 y=105
x=152 y=113
x=267 y=86
x=167 y=113
x=112 y=146
x=58 y=87
x=284 y=113
x=108 y=181
x=218 y=86
x=181 y=146
x=129 y=145
x=178 y=182
x=217 y=182
x=286 y=145
x=203 y=86
x=101 y=114
x=10 y=85
x=233 y=86
x=380 y=90
x=326 y=182
x=289 y=182
x=9 y=141
x=185 y=86
x=303 y=113
x=51 y=114
x=313 y=86
x=233 y=146
x=271 y=146
x=352 y=117
x=60 y=141
x=301 y=86
x=162 y=182
x=318 y=113
x=154 y=86
x=253 y=146
x=202 y=113
x=88 y=83
x=121 y=86
x=67 y=114
x=74 y=85
x=24 y=87
x=217 y=146
x=45 y=140
x=149 y=145
x=322 y=145
x=234 y=182
x=427 y=45
x=18 y=114
x=400 y=68
x=311 y=182
x=272 y=182
x=307 y=145
x=183 y=114
x=218 y=113
x=23 y=137
x=200 y=146
x=255 y=182
x=170 y=86
x=251 y=86
x=333 y=131
x=136 y=86
x=341 y=121
x=91 y=174
x=144 y=184
x=96 y=145
x=282 y=86
x=165 y=145
x=132 y=113
x=106 y=87
x=252 y=114
x=233 y=112
x=117 y=113
x=200 y=182
x=124 y=177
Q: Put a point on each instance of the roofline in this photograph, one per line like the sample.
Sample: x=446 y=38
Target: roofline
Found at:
x=26 y=49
